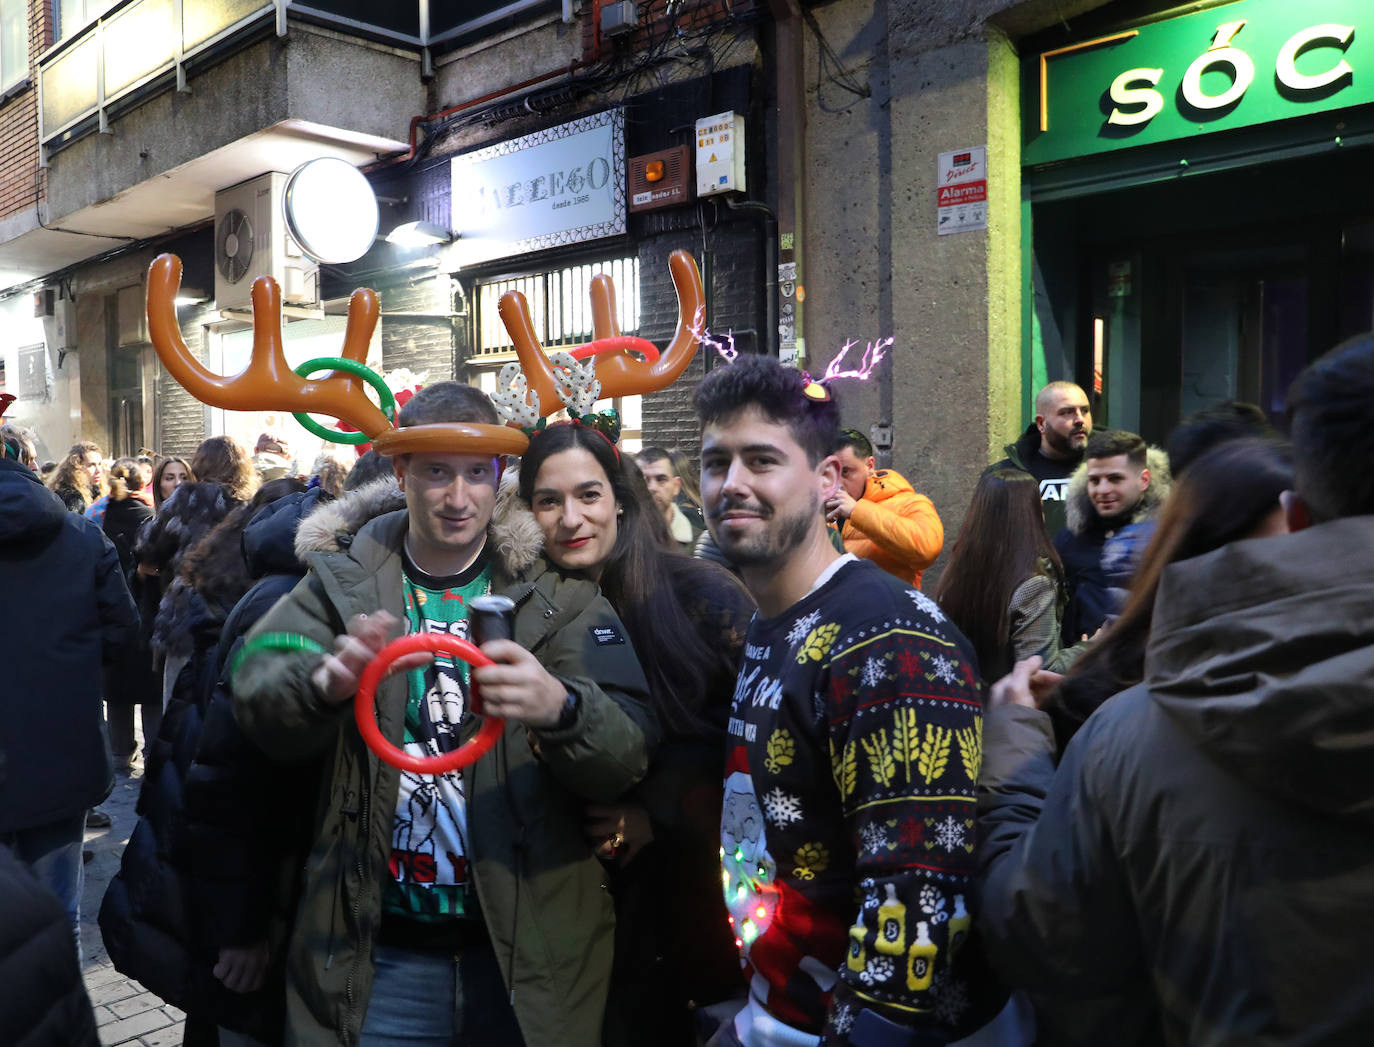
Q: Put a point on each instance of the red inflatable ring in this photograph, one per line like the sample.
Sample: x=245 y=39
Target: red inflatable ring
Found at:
x=364 y=707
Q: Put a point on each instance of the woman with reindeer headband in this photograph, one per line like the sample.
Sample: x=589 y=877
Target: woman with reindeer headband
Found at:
x=412 y=868
x=686 y=618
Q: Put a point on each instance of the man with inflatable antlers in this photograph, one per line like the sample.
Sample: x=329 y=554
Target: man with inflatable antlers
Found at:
x=847 y=833
x=428 y=895
x=438 y=905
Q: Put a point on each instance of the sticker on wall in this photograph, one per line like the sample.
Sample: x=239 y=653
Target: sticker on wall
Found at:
x=961 y=202
x=35 y=373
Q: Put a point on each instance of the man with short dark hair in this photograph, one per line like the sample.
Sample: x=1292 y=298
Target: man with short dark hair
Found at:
x=847 y=826
x=463 y=907
x=1111 y=504
x=1205 y=840
x=883 y=517
x=656 y=466
x=1052 y=446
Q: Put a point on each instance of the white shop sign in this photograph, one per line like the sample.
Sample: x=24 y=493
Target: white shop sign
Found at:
x=562 y=185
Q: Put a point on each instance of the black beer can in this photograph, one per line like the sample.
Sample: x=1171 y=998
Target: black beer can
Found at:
x=493 y=618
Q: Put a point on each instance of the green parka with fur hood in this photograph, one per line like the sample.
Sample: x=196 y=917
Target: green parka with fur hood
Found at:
x=540 y=889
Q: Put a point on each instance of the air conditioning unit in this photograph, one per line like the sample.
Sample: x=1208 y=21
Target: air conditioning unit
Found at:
x=251 y=241
x=660 y=179
x=618 y=17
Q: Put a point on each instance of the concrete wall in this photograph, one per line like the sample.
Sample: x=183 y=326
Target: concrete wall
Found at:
x=506 y=58
x=735 y=295
x=733 y=241
x=56 y=418
x=942 y=77
x=311 y=74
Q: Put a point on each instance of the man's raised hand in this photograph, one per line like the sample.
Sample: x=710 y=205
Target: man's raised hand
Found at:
x=336 y=678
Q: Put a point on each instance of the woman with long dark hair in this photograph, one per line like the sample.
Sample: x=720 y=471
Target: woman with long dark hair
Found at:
x=686 y=619
x=1229 y=493
x=219 y=478
x=224 y=480
x=169 y=474
x=1003 y=586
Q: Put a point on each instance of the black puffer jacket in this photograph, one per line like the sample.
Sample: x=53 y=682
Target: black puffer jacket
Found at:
x=675 y=950
x=131 y=679
x=207 y=866
x=74 y=500
x=236 y=829
x=71 y=611
x=187 y=516
x=124 y=519
x=143 y=918
x=43 y=1003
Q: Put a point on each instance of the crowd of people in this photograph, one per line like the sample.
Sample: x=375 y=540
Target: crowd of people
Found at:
x=753 y=786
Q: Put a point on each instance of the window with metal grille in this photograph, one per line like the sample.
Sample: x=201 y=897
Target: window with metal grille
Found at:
x=561 y=311
x=560 y=305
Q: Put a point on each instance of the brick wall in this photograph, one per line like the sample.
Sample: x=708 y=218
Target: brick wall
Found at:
x=21 y=182
x=731 y=270
x=180 y=416
x=420 y=343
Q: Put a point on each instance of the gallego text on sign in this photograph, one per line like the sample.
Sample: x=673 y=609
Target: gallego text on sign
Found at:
x=1236 y=65
x=562 y=185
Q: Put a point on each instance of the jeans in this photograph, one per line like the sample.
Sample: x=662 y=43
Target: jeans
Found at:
x=120 y=718
x=436 y=999
x=53 y=852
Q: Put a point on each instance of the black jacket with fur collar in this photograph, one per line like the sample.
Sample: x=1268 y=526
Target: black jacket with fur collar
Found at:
x=1097 y=589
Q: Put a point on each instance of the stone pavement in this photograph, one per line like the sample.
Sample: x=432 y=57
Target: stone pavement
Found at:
x=127 y=1014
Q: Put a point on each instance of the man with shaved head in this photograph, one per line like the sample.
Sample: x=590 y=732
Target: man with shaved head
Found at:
x=1052 y=446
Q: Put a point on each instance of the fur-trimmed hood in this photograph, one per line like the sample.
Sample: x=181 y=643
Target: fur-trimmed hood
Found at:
x=516 y=535
x=513 y=532
x=1079 y=507
x=331 y=527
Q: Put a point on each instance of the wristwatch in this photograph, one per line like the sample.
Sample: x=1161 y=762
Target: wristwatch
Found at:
x=568 y=716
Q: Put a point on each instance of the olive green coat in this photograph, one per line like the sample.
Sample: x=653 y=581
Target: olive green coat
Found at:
x=540 y=889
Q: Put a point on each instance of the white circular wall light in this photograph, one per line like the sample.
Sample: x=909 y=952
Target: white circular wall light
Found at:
x=331 y=210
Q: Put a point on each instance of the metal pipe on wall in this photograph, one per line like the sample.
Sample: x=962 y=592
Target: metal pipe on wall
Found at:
x=769 y=225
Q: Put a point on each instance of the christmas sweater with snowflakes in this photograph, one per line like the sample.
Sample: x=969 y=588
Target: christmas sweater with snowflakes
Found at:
x=847 y=833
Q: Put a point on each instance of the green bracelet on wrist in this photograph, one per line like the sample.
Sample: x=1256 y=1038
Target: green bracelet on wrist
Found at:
x=275 y=642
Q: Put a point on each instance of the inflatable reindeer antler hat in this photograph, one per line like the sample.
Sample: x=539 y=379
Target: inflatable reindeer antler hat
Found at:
x=536 y=387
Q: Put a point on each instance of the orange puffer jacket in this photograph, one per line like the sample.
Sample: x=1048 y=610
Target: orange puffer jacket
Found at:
x=895 y=527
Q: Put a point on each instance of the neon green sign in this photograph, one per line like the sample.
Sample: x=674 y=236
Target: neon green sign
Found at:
x=1234 y=65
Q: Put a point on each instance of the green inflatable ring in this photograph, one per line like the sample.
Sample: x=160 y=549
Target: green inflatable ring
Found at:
x=371 y=377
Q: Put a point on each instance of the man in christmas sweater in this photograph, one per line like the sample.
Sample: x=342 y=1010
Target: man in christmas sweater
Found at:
x=847 y=833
